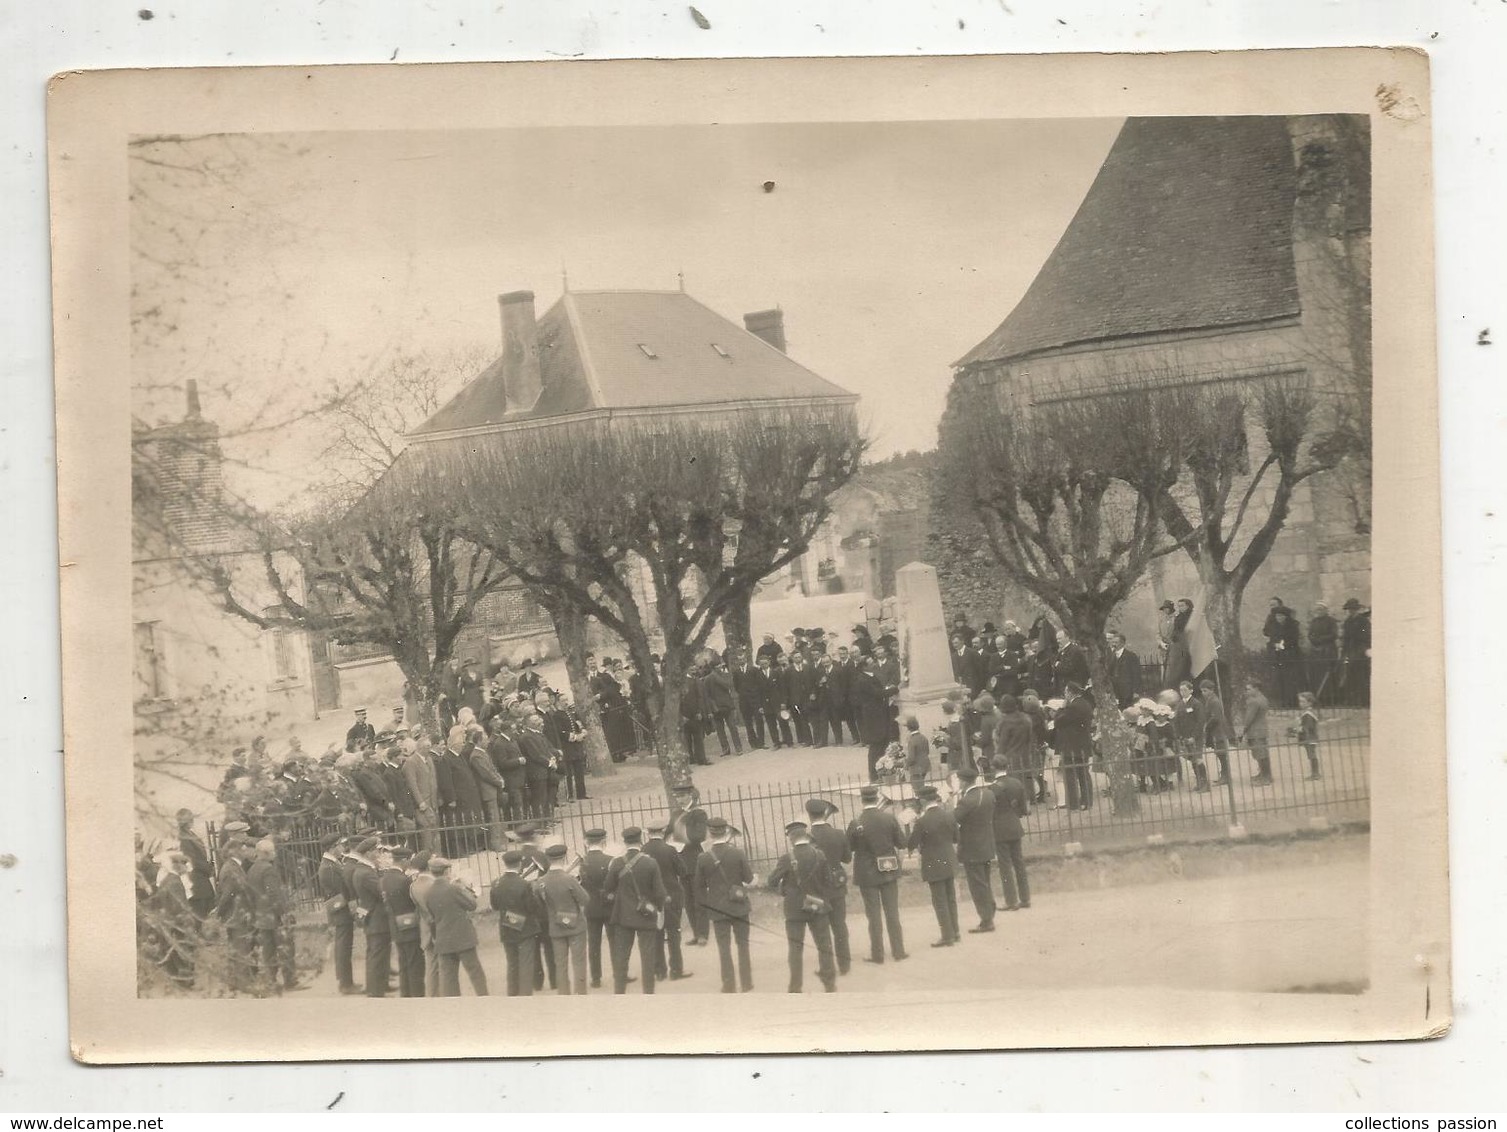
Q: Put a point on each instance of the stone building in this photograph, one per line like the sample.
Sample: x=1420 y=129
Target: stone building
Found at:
x=1215 y=250
x=205 y=679
x=624 y=356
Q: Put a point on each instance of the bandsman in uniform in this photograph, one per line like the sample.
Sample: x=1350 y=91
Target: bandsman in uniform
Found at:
x=366 y=887
x=520 y=918
x=804 y=881
x=935 y=834
x=720 y=887
x=975 y=818
x=330 y=880
x=565 y=903
x=595 y=864
x=273 y=909
x=1010 y=805
x=672 y=870
x=404 y=916
x=877 y=839
x=834 y=844
x=638 y=898
x=689 y=826
x=536 y=864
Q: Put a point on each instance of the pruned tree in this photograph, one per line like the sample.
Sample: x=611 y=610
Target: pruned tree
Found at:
x=1232 y=498
x=1044 y=488
x=655 y=530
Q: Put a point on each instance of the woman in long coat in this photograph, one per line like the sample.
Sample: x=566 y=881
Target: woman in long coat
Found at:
x=1179 y=663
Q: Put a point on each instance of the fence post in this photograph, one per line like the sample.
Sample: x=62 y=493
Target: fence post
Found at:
x=1229 y=789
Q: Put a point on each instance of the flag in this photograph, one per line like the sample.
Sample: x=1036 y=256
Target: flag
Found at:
x=1202 y=648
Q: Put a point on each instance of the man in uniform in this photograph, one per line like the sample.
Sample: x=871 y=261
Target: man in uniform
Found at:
x=235 y=909
x=451 y=903
x=273 y=908
x=689 y=824
x=361 y=733
x=1010 y=805
x=638 y=898
x=564 y=904
x=935 y=834
x=673 y=869
x=535 y=867
x=834 y=845
x=720 y=888
x=403 y=913
x=803 y=879
x=595 y=864
x=330 y=880
x=876 y=839
x=520 y=920
x=975 y=818
x=366 y=887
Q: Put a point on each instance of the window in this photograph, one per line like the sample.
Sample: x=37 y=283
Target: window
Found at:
x=151 y=665
x=648 y=353
x=283 y=643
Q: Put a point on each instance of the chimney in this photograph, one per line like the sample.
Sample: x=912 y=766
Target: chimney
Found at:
x=768 y=325
x=520 y=351
x=194 y=412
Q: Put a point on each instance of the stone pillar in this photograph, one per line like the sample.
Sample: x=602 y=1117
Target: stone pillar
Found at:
x=923 y=635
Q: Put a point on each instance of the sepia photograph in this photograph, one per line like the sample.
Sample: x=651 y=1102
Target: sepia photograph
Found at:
x=893 y=557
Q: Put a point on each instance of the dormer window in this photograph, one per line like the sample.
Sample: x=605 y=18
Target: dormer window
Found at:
x=721 y=353
x=647 y=352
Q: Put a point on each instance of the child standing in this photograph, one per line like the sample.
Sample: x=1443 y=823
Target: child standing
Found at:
x=1307 y=733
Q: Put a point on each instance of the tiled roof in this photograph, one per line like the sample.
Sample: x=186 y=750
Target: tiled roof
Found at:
x=1187 y=226
x=592 y=355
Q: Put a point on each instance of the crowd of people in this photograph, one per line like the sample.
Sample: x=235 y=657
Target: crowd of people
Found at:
x=687 y=875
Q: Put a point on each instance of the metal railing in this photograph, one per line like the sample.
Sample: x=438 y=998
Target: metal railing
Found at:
x=1164 y=800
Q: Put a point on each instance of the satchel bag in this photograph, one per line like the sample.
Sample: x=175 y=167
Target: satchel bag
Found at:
x=405 y=920
x=812 y=905
x=336 y=904
x=567 y=919
x=889 y=863
x=644 y=907
x=515 y=920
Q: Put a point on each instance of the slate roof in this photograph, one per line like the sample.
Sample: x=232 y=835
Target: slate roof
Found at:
x=590 y=358
x=1187 y=226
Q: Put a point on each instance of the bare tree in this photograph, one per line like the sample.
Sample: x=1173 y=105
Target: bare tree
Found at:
x=655 y=530
x=1230 y=503
x=1044 y=489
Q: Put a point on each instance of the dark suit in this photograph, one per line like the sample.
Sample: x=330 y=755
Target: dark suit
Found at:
x=450 y=906
x=536 y=754
x=1010 y=805
x=269 y=899
x=692 y=712
x=673 y=871
x=520 y=923
x=750 y=683
x=404 y=915
x=721 y=698
x=1071 y=665
x=935 y=834
x=776 y=698
x=638 y=893
x=802 y=683
x=337 y=913
x=975 y=818
x=595 y=864
x=834 y=844
x=721 y=890
x=968 y=670
x=1074 y=731
x=803 y=874
x=872 y=835
x=871 y=707
x=1125 y=677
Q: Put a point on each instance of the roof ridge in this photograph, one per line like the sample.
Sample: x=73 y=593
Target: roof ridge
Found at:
x=588 y=367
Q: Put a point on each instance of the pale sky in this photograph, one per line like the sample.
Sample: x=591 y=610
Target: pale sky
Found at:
x=892 y=247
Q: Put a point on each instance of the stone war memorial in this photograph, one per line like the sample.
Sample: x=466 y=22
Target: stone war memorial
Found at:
x=923 y=639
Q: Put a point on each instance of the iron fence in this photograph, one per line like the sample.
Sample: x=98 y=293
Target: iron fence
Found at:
x=1166 y=801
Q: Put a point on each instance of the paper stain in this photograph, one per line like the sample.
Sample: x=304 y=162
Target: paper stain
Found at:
x=1395 y=104
x=701 y=21
x=7 y=860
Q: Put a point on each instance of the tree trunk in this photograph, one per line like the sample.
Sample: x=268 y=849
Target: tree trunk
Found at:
x=737 y=625
x=570 y=631
x=1223 y=612
x=674 y=759
x=1114 y=736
